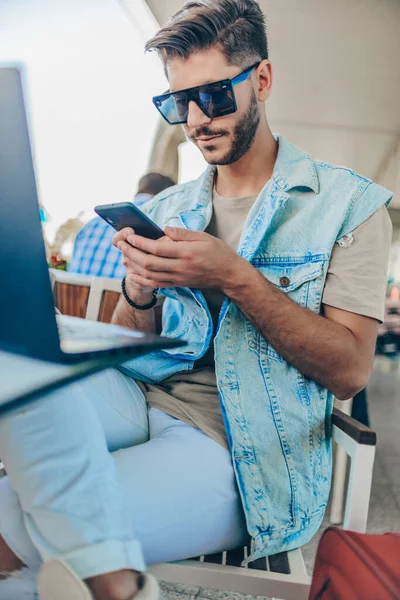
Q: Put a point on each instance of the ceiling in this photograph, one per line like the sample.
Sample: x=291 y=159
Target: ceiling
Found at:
x=336 y=80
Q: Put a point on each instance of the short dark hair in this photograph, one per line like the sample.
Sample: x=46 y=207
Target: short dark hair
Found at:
x=154 y=183
x=236 y=26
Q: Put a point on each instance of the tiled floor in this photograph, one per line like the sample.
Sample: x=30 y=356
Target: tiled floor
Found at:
x=384 y=512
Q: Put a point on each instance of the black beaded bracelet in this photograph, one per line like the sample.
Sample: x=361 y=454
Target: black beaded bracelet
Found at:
x=152 y=303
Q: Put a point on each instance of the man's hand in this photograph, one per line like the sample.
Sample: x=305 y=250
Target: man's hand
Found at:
x=135 y=289
x=182 y=258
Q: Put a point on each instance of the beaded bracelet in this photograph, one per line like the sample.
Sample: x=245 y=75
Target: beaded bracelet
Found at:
x=152 y=303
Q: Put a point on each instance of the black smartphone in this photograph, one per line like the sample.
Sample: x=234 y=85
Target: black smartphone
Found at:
x=125 y=214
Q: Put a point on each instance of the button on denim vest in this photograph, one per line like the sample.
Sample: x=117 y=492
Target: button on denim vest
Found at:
x=277 y=420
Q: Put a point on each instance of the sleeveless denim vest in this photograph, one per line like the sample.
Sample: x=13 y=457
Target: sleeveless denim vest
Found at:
x=277 y=421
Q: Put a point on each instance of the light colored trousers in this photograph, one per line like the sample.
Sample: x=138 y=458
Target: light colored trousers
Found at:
x=101 y=480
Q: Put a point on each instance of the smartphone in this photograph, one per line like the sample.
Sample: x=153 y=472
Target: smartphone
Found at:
x=125 y=214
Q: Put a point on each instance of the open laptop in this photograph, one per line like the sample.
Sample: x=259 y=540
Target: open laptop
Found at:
x=28 y=323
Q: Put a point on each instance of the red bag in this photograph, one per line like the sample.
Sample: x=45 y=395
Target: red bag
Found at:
x=356 y=566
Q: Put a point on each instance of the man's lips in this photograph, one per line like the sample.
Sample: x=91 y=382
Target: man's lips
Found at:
x=208 y=138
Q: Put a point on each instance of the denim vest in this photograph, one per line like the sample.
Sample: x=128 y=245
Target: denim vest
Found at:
x=277 y=420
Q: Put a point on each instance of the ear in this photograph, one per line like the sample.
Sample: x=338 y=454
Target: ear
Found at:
x=264 y=79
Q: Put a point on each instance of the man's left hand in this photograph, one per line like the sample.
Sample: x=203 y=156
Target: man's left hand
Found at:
x=187 y=259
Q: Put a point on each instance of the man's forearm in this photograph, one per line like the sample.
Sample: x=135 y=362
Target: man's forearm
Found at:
x=140 y=320
x=319 y=348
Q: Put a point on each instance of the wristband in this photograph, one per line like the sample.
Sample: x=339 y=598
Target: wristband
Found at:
x=152 y=303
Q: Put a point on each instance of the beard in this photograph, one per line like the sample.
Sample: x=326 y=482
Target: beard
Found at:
x=243 y=136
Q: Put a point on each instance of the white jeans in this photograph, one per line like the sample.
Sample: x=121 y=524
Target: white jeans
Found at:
x=101 y=480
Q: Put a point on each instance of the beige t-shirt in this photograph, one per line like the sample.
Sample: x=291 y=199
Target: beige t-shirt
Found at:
x=356 y=282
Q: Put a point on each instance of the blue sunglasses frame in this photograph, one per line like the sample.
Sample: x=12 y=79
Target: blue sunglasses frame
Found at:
x=194 y=93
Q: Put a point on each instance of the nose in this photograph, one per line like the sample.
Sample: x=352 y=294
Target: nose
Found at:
x=196 y=118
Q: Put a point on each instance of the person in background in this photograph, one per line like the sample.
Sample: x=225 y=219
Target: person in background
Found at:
x=150 y=185
x=93 y=252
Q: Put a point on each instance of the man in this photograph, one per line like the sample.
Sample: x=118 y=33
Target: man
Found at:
x=273 y=268
x=93 y=252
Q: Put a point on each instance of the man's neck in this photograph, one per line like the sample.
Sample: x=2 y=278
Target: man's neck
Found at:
x=248 y=175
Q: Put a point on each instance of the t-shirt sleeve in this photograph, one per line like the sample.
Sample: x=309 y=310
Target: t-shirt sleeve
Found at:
x=357 y=272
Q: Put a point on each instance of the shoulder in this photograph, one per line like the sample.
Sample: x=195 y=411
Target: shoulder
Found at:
x=362 y=197
x=92 y=229
x=344 y=177
x=92 y=225
x=379 y=223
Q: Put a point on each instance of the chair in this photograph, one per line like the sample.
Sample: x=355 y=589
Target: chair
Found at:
x=339 y=472
x=93 y=298
x=282 y=575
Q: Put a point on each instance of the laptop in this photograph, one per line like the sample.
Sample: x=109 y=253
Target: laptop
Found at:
x=28 y=322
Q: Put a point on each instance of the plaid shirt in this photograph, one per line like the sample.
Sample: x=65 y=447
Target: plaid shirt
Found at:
x=94 y=253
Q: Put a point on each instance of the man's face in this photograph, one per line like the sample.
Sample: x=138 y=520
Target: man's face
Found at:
x=223 y=140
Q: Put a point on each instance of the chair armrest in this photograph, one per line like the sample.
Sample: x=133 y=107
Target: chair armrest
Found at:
x=357 y=431
x=358 y=442
x=71 y=278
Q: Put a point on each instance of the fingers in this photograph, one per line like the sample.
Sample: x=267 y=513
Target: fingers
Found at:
x=151 y=263
x=147 y=262
x=155 y=276
x=147 y=270
x=122 y=235
x=163 y=247
x=184 y=235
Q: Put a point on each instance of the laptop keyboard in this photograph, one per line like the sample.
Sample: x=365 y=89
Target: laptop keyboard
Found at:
x=80 y=329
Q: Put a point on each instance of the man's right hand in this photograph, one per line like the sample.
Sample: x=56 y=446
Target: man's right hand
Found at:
x=124 y=314
x=137 y=293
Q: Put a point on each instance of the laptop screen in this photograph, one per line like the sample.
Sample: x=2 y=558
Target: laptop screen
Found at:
x=27 y=321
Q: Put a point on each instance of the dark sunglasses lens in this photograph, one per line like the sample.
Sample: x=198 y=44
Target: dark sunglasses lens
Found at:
x=181 y=106
x=174 y=108
x=216 y=100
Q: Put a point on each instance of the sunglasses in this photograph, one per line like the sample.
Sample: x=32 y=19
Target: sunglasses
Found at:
x=214 y=99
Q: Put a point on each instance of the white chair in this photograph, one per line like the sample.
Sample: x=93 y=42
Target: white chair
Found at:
x=339 y=472
x=97 y=287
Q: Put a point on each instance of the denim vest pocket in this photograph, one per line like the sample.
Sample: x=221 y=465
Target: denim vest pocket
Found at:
x=301 y=281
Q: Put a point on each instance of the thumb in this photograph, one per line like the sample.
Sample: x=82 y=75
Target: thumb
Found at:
x=179 y=234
